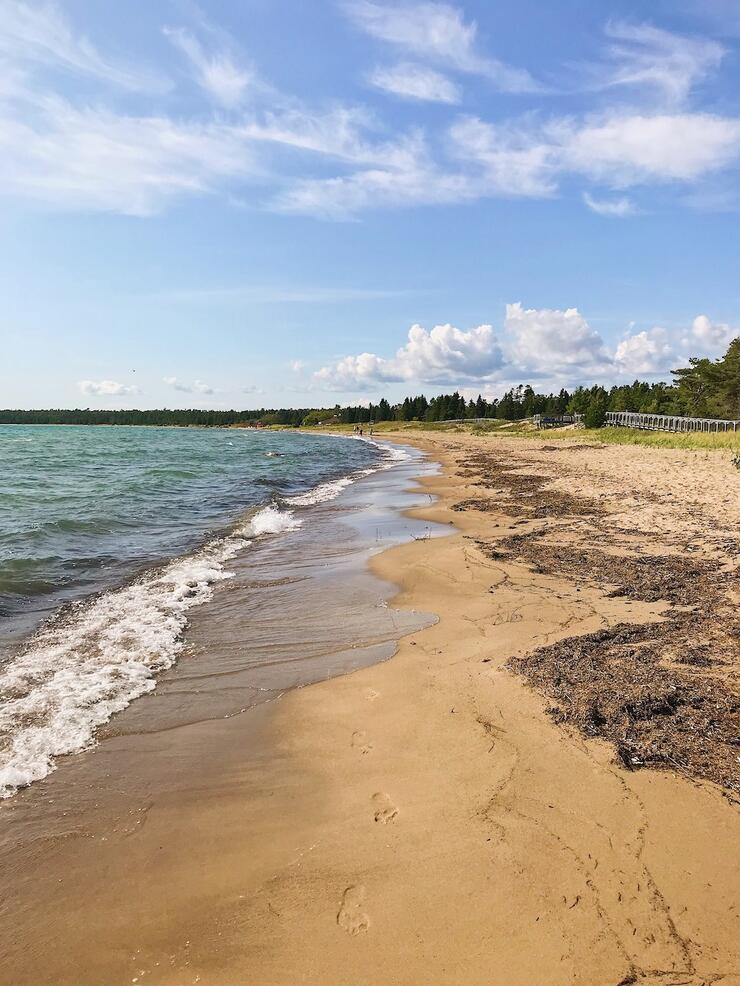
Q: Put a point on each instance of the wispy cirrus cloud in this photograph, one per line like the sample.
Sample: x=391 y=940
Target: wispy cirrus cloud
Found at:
x=218 y=72
x=96 y=159
x=642 y=56
x=619 y=149
x=438 y=32
x=411 y=81
x=613 y=208
x=531 y=159
x=336 y=161
x=38 y=34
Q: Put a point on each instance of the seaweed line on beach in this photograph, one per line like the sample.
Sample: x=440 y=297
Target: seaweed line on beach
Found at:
x=663 y=693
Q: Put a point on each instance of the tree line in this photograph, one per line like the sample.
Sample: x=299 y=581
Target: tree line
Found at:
x=704 y=388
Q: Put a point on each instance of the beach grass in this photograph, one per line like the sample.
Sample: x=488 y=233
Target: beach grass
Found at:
x=701 y=441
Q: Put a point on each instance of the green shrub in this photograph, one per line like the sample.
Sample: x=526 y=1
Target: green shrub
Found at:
x=595 y=416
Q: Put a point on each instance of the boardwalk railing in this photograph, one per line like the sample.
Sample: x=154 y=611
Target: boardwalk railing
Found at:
x=557 y=420
x=667 y=422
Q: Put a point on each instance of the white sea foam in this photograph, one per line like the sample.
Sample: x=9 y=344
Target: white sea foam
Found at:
x=329 y=491
x=326 y=491
x=82 y=669
x=79 y=671
x=273 y=520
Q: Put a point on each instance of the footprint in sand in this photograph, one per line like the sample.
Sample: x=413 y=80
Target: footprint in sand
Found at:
x=359 y=740
x=371 y=694
x=351 y=916
x=385 y=810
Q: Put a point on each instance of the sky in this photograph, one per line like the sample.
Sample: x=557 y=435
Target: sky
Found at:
x=248 y=203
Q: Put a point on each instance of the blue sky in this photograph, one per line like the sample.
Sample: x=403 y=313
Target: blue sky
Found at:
x=272 y=202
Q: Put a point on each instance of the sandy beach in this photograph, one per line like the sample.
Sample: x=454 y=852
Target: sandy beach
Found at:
x=481 y=808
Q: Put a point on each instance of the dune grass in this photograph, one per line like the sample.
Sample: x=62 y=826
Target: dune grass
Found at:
x=700 y=441
x=706 y=441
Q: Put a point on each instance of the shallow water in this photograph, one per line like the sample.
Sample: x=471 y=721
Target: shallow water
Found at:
x=94 y=655
x=83 y=508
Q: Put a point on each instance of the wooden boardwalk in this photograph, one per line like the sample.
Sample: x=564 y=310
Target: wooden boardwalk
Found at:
x=667 y=422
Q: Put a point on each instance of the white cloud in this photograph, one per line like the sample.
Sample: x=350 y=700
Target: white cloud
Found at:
x=412 y=81
x=218 y=73
x=95 y=159
x=620 y=150
x=177 y=385
x=511 y=160
x=356 y=372
x=614 y=208
x=444 y=354
x=556 y=346
x=198 y=387
x=297 y=365
x=625 y=149
x=106 y=388
x=646 y=56
x=439 y=32
x=38 y=34
x=343 y=198
x=523 y=158
x=341 y=132
x=447 y=353
x=651 y=351
x=82 y=153
x=712 y=335
x=552 y=341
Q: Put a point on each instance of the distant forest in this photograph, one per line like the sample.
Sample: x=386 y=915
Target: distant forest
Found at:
x=704 y=388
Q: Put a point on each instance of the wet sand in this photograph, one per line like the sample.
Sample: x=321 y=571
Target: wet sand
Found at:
x=108 y=863
x=422 y=820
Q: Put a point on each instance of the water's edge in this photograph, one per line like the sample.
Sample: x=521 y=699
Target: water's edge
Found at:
x=91 y=661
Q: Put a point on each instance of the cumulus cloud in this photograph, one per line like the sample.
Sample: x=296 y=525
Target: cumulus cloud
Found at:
x=650 y=351
x=412 y=81
x=712 y=335
x=443 y=355
x=556 y=346
x=218 y=73
x=552 y=341
x=438 y=32
x=198 y=387
x=447 y=353
x=106 y=388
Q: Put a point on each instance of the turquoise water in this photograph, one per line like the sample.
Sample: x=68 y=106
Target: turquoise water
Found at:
x=82 y=508
x=109 y=537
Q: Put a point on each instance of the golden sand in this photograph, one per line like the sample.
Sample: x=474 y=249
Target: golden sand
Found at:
x=424 y=821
